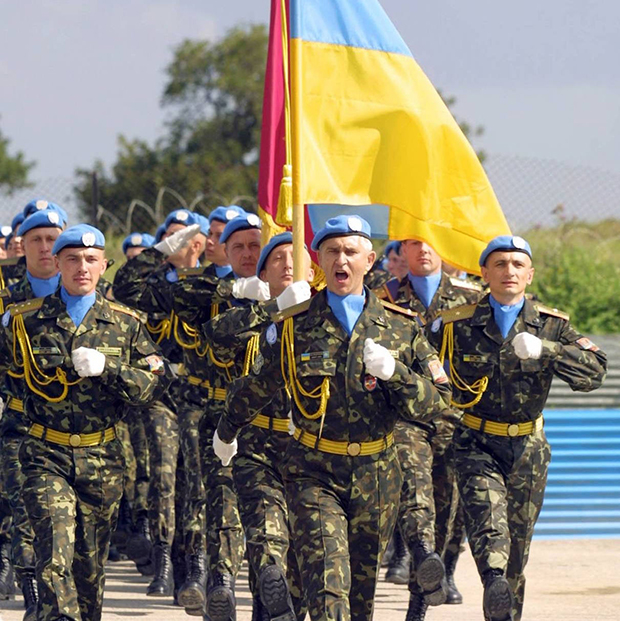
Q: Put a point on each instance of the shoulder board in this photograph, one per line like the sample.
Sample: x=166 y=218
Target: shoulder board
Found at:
x=381 y=292
x=460 y=312
x=5 y=293
x=465 y=284
x=554 y=312
x=190 y=271
x=26 y=307
x=11 y=261
x=292 y=311
x=121 y=308
x=399 y=309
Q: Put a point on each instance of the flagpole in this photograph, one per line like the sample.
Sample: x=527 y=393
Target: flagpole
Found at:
x=298 y=243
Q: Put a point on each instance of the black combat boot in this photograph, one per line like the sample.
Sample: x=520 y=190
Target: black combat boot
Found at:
x=389 y=552
x=139 y=545
x=498 y=600
x=399 y=569
x=221 y=603
x=31 y=596
x=7 y=577
x=430 y=575
x=259 y=612
x=453 y=596
x=274 y=594
x=162 y=584
x=417 y=607
x=192 y=595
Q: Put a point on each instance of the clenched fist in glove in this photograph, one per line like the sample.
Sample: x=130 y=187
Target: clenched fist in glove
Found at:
x=294 y=294
x=527 y=346
x=224 y=451
x=176 y=241
x=252 y=288
x=88 y=362
x=378 y=360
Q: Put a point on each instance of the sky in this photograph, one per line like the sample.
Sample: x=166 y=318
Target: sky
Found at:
x=543 y=78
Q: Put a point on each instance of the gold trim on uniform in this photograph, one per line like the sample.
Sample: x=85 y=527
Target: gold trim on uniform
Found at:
x=352 y=449
x=511 y=430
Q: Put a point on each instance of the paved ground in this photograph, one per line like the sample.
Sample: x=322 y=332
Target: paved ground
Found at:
x=572 y=580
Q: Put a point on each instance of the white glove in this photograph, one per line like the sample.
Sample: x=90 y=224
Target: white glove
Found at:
x=88 y=362
x=176 y=241
x=224 y=451
x=378 y=360
x=253 y=288
x=527 y=346
x=296 y=293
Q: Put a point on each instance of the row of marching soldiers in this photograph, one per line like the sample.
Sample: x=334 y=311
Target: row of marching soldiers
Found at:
x=300 y=430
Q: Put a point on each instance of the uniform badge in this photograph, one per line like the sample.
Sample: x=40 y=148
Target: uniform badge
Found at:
x=53 y=217
x=438 y=372
x=231 y=214
x=253 y=220
x=88 y=239
x=518 y=242
x=181 y=216
x=136 y=239
x=156 y=364
x=40 y=205
x=6 y=318
x=272 y=334
x=258 y=364
x=354 y=224
x=6 y=230
x=436 y=325
x=370 y=383
x=586 y=343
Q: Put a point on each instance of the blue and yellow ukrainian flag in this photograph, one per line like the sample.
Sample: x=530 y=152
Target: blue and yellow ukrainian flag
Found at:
x=371 y=135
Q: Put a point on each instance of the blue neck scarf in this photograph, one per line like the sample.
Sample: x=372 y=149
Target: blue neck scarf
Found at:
x=347 y=308
x=43 y=286
x=425 y=287
x=505 y=314
x=77 y=305
x=222 y=270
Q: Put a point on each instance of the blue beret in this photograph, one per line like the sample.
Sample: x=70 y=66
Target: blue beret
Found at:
x=79 y=236
x=41 y=219
x=41 y=204
x=180 y=216
x=274 y=242
x=240 y=223
x=5 y=231
x=159 y=233
x=8 y=239
x=226 y=214
x=506 y=243
x=393 y=246
x=203 y=221
x=17 y=220
x=341 y=226
x=137 y=240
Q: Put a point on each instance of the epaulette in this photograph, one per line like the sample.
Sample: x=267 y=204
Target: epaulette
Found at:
x=26 y=307
x=11 y=261
x=381 y=292
x=121 y=308
x=399 y=309
x=460 y=312
x=291 y=312
x=554 y=312
x=465 y=284
x=190 y=271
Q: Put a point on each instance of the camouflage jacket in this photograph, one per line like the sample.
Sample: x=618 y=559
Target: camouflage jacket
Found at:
x=12 y=270
x=135 y=373
x=518 y=389
x=360 y=408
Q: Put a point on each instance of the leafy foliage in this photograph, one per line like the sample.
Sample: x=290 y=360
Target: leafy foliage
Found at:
x=14 y=169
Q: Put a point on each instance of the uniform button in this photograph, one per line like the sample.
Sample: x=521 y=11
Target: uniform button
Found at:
x=354 y=449
x=513 y=430
x=75 y=440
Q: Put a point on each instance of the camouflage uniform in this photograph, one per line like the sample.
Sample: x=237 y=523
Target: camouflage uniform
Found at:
x=502 y=475
x=11 y=271
x=72 y=494
x=342 y=493
x=429 y=499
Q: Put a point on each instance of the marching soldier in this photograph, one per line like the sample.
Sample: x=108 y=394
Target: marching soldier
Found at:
x=353 y=366
x=82 y=358
x=503 y=353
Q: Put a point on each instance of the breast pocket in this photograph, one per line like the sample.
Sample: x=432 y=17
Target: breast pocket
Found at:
x=312 y=373
x=475 y=370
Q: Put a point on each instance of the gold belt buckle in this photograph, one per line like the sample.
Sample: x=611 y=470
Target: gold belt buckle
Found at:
x=513 y=430
x=354 y=449
x=75 y=440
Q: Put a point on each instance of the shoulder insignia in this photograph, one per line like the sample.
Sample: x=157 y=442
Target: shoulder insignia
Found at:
x=291 y=312
x=381 y=292
x=399 y=309
x=190 y=271
x=554 y=312
x=26 y=307
x=460 y=312
x=121 y=308
x=465 y=284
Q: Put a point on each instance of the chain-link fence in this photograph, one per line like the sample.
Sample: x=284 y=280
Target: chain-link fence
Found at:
x=534 y=193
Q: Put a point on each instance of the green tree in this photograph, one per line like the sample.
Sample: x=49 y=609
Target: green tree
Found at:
x=14 y=169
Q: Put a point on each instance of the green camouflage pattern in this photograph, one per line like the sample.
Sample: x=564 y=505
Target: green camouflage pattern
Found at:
x=12 y=270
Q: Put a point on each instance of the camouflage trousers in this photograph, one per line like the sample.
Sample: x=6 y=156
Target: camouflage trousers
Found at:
x=12 y=480
x=139 y=446
x=502 y=484
x=162 y=434
x=342 y=511
x=193 y=502
x=258 y=476
x=72 y=498
x=224 y=541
